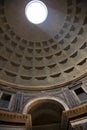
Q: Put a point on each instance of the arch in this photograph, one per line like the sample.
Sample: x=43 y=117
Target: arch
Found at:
x=46 y=112
x=38 y=100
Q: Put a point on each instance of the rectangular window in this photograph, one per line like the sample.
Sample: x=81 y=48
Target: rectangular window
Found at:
x=5 y=100
x=81 y=94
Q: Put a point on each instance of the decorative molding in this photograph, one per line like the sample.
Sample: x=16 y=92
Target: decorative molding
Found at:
x=73 y=114
x=16 y=118
x=35 y=88
x=80 y=123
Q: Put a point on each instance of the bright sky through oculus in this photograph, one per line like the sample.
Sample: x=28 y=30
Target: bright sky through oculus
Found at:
x=36 y=11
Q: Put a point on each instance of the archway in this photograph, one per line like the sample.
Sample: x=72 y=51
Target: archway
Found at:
x=46 y=114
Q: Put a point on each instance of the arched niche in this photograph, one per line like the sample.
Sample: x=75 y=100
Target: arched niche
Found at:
x=46 y=113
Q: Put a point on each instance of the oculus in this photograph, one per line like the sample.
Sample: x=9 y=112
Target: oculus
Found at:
x=36 y=11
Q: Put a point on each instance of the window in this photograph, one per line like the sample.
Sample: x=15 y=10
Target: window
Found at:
x=6 y=97
x=81 y=94
x=5 y=100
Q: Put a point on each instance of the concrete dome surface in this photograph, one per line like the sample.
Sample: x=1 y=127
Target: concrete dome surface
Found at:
x=47 y=55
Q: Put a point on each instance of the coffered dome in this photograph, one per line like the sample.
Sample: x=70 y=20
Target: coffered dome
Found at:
x=46 y=55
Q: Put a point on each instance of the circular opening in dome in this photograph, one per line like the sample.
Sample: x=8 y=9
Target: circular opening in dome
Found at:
x=36 y=11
